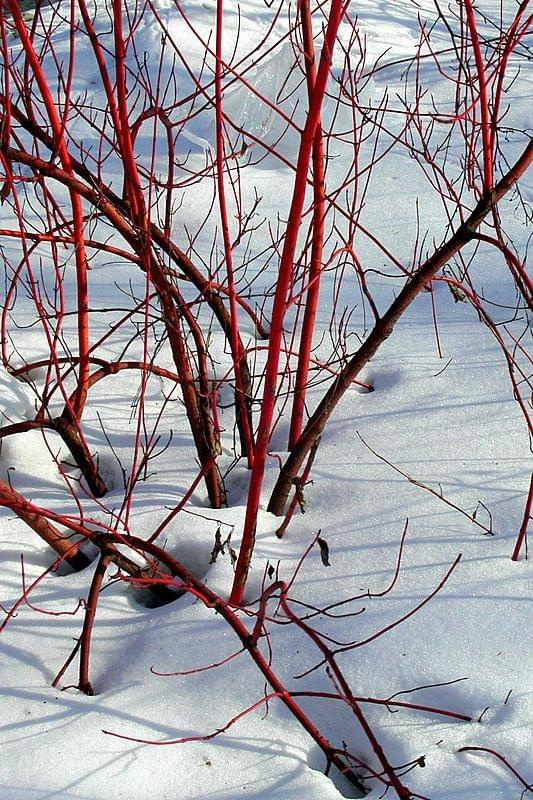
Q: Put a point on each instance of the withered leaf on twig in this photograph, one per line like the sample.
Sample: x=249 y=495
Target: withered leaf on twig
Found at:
x=324 y=551
x=457 y=294
x=219 y=548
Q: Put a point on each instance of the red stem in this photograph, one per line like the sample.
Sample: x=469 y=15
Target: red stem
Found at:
x=131 y=176
x=280 y=305
x=513 y=39
x=298 y=494
x=9 y=498
x=221 y=607
x=517 y=269
x=488 y=167
x=75 y=200
x=315 y=270
x=521 y=538
x=501 y=758
x=90 y=612
x=380 y=702
x=386 y=324
x=402 y=791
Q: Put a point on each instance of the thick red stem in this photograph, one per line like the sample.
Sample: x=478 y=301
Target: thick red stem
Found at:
x=315 y=270
x=61 y=149
x=488 y=167
x=280 y=306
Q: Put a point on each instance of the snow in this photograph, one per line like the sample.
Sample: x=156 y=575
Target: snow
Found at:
x=450 y=422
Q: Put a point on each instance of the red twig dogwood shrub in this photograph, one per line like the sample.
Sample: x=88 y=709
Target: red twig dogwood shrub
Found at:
x=217 y=300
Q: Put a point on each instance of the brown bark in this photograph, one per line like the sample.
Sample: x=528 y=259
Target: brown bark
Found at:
x=384 y=327
x=70 y=434
x=62 y=545
x=69 y=550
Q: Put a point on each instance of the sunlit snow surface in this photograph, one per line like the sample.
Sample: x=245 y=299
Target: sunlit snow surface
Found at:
x=457 y=429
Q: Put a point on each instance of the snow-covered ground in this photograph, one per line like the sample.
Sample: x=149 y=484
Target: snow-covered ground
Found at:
x=448 y=420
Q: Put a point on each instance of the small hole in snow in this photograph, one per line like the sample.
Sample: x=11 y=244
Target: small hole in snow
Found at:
x=88 y=550
x=195 y=556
